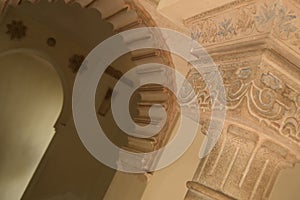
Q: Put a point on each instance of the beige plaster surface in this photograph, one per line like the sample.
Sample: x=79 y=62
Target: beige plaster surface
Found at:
x=30 y=103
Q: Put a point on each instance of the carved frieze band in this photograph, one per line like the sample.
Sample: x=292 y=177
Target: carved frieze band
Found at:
x=254 y=89
x=278 y=18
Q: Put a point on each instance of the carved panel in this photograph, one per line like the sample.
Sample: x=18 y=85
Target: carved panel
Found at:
x=253 y=88
x=275 y=17
x=243 y=165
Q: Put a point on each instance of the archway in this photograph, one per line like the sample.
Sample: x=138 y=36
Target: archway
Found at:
x=43 y=31
x=31 y=98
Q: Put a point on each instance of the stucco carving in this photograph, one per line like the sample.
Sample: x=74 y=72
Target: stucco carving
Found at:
x=261 y=135
x=273 y=17
x=243 y=165
x=265 y=96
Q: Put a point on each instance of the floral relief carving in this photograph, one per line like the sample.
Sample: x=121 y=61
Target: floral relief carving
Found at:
x=291 y=128
x=270 y=81
x=267 y=97
x=270 y=16
x=263 y=103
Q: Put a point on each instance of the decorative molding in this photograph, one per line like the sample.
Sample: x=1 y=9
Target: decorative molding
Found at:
x=279 y=19
x=253 y=86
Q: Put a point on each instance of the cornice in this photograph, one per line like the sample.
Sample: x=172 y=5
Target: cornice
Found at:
x=246 y=21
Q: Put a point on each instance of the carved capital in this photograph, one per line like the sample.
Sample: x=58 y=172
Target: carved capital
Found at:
x=256 y=91
x=256 y=46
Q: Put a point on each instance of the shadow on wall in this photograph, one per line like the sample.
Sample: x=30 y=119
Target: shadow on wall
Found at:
x=287 y=185
x=31 y=98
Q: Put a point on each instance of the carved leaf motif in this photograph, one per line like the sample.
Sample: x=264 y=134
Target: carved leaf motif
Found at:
x=263 y=104
x=284 y=22
x=245 y=22
x=244 y=73
x=195 y=34
x=208 y=31
x=296 y=40
x=204 y=100
x=268 y=17
x=291 y=128
x=269 y=98
x=270 y=81
x=267 y=14
x=226 y=28
x=236 y=91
